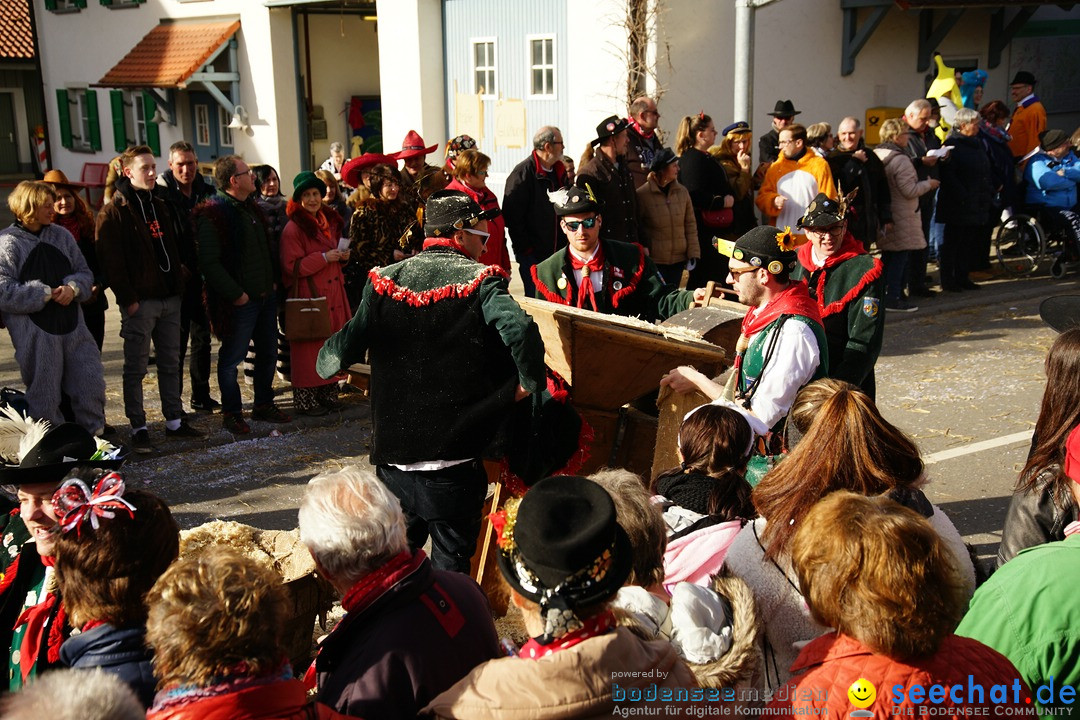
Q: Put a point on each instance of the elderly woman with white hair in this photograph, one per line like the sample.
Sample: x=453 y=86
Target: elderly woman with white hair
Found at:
x=410 y=631
x=964 y=200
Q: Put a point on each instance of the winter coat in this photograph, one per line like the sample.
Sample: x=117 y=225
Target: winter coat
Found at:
x=281 y=700
x=377 y=229
x=1035 y=517
x=615 y=189
x=136 y=265
x=667 y=223
x=707 y=184
x=1029 y=612
x=640 y=152
x=1028 y=120
x=742 y=183
x=1046 y=187
x=799 y=181
x=303 y=241
x=119 y=651
x=495 y=252
x=787 y=621
x=830 y=665
x=871 y=208
x=530 y=217
x=714 y=626
x=274 y=210
x=415 y=640
x=905 y=189
x=589 y=680
x=966 y=193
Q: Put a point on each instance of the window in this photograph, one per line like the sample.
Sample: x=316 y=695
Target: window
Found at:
x=224 y=131
x=121 y=3
x=132 y=113
x=77 y=112
x=542 y=66
x=202 y=125
x=484 y=67
x=61 y=6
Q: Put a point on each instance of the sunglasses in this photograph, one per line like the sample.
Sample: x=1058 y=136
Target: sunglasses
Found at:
x=573 y=225
x=736 y=273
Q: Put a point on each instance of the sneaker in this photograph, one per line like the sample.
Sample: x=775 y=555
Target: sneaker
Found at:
x=206 y=404
x=140 y=442
x=185 y=431
x=270 y=413
x=235 y=423
x=900 y=306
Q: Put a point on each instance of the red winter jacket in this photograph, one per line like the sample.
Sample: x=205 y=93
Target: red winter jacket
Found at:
x=285 y=700
x=828 y=666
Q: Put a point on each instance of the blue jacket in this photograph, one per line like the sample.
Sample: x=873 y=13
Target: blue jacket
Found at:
x=1046 y=187
x=122 y=652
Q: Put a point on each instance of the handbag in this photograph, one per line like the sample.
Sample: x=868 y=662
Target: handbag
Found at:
x=718 y=219
x=306 y=318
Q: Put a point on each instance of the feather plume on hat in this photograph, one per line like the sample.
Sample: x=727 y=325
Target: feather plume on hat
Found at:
x=559 y=197
x=19 y=434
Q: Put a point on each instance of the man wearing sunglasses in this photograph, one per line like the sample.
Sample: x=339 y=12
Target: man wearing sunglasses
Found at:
x=848 y=286
x=607 y=276
x=450 y=353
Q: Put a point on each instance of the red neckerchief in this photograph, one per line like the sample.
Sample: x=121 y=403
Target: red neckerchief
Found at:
x=444 y=242
x=596 y=264
x=36 y=618
x=558 y=169
x=795 y=300
x=593 y=627
x=849 y=248
x=647 y=134
x=370 y=588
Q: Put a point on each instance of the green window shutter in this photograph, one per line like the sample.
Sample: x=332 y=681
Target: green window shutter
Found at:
x=78 y=3
x=153 y=132
x=106 y=3
x=50 y=4
x=63 y=111
x=119 y=122
x=92 y=119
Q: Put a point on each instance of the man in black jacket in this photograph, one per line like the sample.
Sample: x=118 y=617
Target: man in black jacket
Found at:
x=609 y=177
x=529 y=215
x=854 y=167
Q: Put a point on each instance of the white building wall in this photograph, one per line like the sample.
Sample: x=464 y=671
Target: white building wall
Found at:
x=74 y=52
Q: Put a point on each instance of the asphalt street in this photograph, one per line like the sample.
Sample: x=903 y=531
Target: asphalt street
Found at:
x=963 y=376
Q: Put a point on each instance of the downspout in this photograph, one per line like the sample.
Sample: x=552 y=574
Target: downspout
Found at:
x=301 y=101
x=744 y=57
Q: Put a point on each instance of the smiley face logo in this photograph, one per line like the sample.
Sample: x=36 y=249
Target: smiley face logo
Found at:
x=862 y=695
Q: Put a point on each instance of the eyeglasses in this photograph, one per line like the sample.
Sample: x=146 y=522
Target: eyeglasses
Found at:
x=736 y=273
x=834 y=232
x=483 y=173
x=573 y=225
x=782 y=143
x=246 y=172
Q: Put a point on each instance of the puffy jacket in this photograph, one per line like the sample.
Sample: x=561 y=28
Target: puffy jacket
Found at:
x=667 y=222
x=830 y=665
x=120 y=651
x=1035 y=517
x=1029 y=612
x=1045 y=186
x=905 y=189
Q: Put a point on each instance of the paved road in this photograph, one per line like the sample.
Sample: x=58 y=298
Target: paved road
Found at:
x=963 y=373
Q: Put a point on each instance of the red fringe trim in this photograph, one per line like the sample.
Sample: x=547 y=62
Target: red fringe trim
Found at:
x=545 y=291
x=873 y=274
x=9 y=573
x=387 y=287
x=632 y=283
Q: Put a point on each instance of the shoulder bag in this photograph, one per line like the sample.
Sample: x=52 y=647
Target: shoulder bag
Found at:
x=306 y=318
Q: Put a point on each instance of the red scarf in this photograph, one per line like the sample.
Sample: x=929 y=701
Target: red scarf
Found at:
x=795 y=300
x=593 y=627
x=36 y=618
x=647 y=134
x=445 y=242
x=370 y=588
x=849 y=248
x=596 y=264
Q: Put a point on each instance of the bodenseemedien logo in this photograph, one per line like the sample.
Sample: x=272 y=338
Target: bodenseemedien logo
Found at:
x=862 y=695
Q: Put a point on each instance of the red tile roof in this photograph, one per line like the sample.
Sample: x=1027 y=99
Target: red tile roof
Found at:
x=16 y=36
x=169 y=55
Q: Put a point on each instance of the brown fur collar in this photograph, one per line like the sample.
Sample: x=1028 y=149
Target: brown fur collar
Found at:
x=296 y=212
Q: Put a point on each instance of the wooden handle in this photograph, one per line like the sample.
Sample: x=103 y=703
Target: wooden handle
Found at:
x=710 y=288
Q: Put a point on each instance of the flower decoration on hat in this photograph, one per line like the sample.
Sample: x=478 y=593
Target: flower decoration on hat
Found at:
x=502 y=521
x=785 y=240
x=76 y=503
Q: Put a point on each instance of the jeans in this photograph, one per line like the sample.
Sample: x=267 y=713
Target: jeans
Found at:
x=447 y=503
x=194 y=324
x=157 y=320
x=895 y=262
x=255 y=321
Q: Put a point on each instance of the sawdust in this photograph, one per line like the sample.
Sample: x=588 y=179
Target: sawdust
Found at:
x=279 y=550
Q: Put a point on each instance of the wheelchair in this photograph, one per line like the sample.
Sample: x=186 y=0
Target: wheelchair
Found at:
x=1023 y=243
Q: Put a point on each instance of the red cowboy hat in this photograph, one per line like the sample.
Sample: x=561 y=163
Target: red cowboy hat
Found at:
x=413 y=145
x=350 y=171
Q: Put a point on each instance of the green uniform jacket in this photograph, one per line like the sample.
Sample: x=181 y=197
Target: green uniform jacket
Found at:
x=849 y=296
x=633 y=287
x=1029 y=612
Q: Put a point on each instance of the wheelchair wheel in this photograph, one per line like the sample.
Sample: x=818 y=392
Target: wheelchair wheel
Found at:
x=1059 y=268
x=1020 y=244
